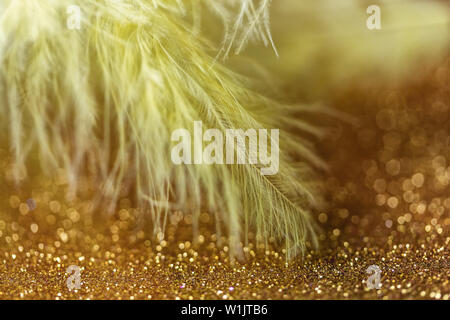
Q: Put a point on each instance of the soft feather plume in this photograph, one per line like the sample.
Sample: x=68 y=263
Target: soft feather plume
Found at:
x=108 y=97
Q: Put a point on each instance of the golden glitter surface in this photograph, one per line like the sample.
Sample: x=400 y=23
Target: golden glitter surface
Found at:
x=119 y=264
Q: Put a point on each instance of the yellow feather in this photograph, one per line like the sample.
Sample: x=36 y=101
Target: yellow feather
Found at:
x=109 y=95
